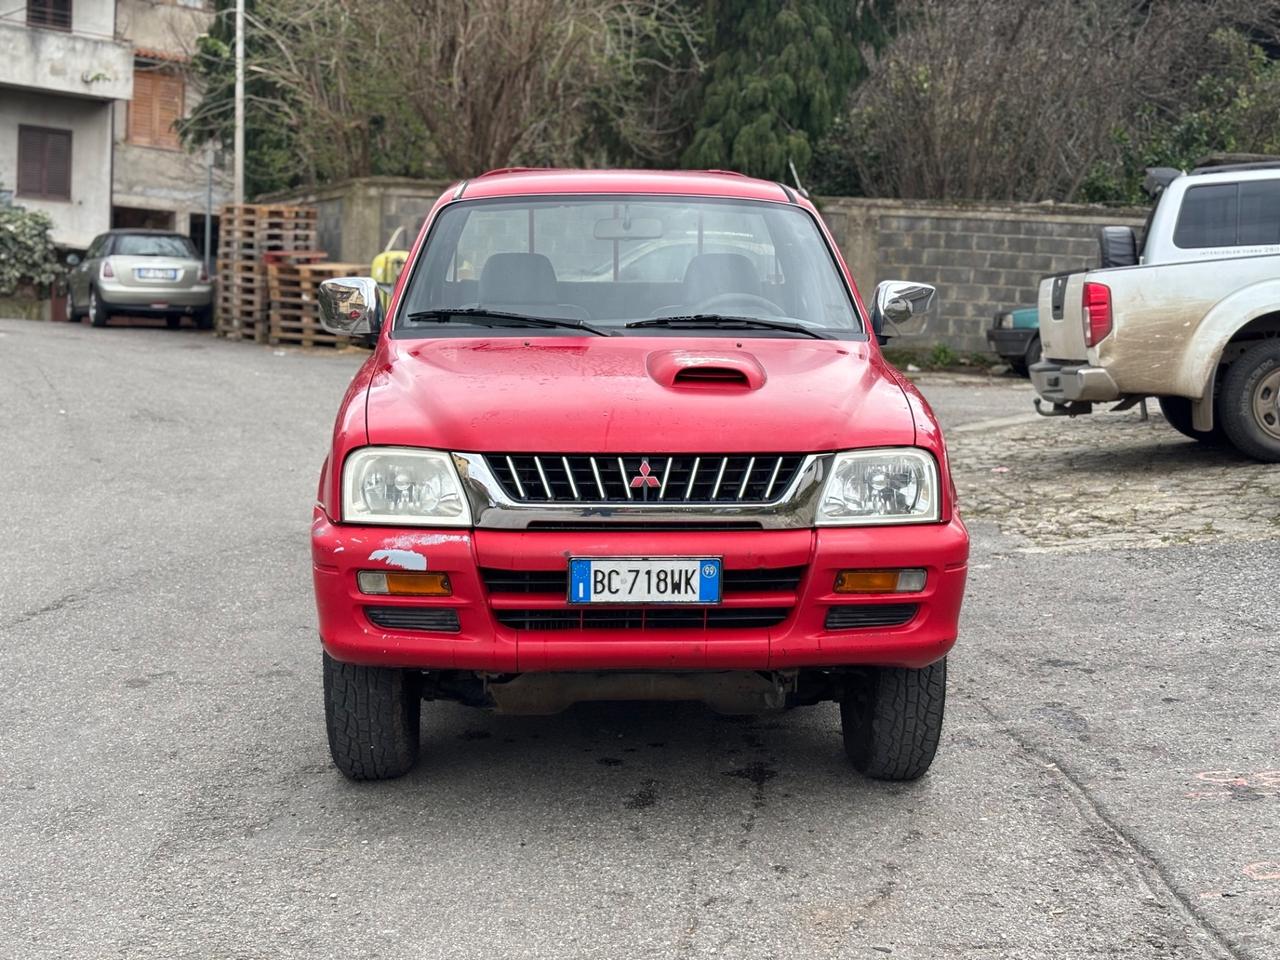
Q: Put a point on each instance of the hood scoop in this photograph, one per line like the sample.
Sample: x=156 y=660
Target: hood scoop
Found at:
x=706 y=370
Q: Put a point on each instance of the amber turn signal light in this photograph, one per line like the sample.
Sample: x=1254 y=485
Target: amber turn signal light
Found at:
x=880 y=581
x=382 y=583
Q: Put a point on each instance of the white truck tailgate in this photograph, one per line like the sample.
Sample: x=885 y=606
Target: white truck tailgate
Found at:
x=1059 y=311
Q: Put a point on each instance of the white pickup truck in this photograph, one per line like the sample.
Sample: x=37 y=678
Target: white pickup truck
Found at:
x=1192 y=317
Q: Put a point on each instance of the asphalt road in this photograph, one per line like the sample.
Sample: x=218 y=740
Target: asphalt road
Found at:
x=1107 y=784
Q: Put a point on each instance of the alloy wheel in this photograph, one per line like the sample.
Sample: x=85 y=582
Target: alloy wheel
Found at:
x=1266 y=403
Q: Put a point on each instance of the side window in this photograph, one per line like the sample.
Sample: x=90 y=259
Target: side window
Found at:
x=1260 y=212
x=1209 y=217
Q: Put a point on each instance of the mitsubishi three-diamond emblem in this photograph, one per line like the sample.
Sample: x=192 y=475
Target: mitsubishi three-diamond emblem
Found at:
x=644 y=478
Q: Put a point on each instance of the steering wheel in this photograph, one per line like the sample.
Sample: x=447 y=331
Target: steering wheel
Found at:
x=720 y=302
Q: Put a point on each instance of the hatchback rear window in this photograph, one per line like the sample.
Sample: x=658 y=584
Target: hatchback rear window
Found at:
x=1229 y=215
x=142 y=245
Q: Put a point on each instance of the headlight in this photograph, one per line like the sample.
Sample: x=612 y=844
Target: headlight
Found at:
x=871 y=487
x=403 y=486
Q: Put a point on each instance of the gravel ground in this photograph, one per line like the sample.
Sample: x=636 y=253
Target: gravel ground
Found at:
x=1107 y=785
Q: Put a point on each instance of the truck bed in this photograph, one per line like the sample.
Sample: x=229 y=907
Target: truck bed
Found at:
x=1165 y=320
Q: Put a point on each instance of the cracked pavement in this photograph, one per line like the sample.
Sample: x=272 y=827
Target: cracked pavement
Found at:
x=1107 y=785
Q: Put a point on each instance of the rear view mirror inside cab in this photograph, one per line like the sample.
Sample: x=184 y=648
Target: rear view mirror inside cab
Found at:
x=629 y=228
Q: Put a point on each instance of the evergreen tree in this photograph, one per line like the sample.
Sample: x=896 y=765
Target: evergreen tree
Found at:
x=778 y=72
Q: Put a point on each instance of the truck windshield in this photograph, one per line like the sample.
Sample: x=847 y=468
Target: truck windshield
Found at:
x=608 y=262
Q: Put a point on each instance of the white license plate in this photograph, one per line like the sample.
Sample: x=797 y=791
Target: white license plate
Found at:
x=644 y=580
x=155 y=273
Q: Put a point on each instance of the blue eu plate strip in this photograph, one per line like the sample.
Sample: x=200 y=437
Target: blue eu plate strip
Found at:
x=709 y=582
x=579 y=581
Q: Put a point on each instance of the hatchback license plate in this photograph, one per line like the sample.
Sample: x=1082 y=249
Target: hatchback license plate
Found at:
x=644 y=580
x=155 y=273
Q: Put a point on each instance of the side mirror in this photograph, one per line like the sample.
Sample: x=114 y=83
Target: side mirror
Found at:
x=350 y=306
x=73 y=259
x=898 y=301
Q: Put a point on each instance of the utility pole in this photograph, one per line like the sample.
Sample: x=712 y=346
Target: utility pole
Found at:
x=239 y=134
x=208 y=210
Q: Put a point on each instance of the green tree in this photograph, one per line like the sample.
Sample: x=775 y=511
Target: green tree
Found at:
x=777 y=74
x=1232 y=107
x=321 y=103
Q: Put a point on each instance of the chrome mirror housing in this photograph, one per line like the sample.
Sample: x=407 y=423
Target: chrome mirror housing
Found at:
x=898 y=301
x=350 y=306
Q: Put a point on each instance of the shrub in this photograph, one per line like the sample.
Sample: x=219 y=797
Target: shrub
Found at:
x=28 y=257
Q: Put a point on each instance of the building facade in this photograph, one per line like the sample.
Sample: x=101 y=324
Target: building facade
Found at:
x=90 y=91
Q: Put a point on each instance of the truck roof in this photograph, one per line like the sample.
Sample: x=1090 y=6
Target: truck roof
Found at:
x=1236 y=172
x=522 y=181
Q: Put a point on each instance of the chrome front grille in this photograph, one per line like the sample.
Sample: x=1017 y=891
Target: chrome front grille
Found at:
x=638 y=479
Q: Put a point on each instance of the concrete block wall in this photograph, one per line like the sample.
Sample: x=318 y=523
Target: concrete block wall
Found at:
x=983 y=258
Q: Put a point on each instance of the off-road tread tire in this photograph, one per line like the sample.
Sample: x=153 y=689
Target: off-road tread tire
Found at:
x=1177 y=412
x=372 y=716
x=1117 y=247
x=1235 y=402
x=891 y=718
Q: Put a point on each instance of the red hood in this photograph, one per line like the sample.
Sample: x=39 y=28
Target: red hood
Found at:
x=618 y=395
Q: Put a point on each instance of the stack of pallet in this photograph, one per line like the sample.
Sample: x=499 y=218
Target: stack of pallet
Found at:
x=248 y=233
x=293 y=283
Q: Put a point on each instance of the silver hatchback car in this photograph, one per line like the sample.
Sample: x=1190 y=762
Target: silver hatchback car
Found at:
x=142 y=272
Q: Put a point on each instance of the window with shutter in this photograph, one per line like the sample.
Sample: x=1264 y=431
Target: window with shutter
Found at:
x=44 y=163
x=49 y=13
x=156 y=107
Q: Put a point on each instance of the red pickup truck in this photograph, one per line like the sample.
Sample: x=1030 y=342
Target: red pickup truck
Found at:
x=630 y=436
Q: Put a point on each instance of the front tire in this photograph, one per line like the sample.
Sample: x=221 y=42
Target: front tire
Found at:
x=1249 y=404
x=372 y=716
x=98 y=312
x=1177 y=411
x=891 y=718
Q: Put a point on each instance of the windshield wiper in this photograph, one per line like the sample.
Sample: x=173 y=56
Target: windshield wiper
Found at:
x=695 y=321
x=499 y=318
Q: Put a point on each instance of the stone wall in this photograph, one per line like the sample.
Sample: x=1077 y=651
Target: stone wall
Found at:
x=983 y=258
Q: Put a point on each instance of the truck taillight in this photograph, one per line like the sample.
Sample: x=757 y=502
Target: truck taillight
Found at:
x=1097 y=313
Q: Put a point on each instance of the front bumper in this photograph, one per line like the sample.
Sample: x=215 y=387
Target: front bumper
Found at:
x=1010 y=343
x=482 y=643
x=157 y=298
x=1062 y=383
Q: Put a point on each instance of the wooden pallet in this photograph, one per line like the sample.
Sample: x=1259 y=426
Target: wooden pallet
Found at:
x=252 y=238
x=295 y=312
